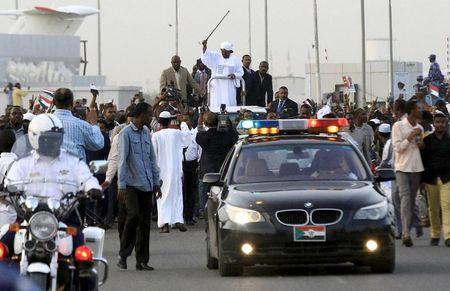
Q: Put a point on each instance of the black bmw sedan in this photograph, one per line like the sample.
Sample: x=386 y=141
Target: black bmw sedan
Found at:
x=298 y=199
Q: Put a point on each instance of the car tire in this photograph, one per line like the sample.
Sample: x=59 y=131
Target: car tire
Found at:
x=211 y=263
x=384 y=264
x=228 y=270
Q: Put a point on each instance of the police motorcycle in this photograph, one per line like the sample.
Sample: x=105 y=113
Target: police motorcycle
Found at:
x=53 y=254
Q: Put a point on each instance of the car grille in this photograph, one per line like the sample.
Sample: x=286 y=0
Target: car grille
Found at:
x=326 y=216
x=292 y=217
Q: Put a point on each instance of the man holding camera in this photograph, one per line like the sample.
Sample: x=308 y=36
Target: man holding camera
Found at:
x=215 y=143
x=178 y=77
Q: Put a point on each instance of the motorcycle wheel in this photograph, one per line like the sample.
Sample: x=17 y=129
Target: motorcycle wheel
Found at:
x=40 y=279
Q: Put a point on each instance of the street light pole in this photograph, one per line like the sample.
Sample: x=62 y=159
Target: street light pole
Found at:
x=266 y=31
x=99 y=41
x=362 y=98
x=316 y=44
x=391 y=49
x=176 y=27
x=249 y=28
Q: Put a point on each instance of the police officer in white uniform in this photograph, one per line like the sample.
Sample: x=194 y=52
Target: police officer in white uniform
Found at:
x=50 y=163
x=45 y=165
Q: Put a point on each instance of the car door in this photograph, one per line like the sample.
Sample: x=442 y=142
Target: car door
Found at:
x=214 y=196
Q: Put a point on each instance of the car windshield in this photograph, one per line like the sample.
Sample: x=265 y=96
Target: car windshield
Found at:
x=298 y=162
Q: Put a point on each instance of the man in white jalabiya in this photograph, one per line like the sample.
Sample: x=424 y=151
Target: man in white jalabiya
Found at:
x=223 y=64
x=168 y=144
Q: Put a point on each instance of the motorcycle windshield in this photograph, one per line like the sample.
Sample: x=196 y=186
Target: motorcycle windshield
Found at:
x=33 y=172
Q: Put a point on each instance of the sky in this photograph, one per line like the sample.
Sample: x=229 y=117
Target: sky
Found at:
x=137 y=41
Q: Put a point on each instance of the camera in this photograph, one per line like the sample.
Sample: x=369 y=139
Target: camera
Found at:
x=171 y=92
x=223 y=120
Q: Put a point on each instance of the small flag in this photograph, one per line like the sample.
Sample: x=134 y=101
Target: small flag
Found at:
x=310 y=233
x=434 y=90
x=45 y=99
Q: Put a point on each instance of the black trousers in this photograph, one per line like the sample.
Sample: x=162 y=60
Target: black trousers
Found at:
x=136 y=231
x=190 y=177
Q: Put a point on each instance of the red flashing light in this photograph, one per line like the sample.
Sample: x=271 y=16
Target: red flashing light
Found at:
x=83 y=254
x=3 y=252
x=340 y=122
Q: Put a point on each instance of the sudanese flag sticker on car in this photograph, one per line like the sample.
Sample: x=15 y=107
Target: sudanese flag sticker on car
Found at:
x=308 y=233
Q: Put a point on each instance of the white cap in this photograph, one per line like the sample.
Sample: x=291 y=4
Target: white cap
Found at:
x=376 y=121
x=227 y=46
x=165 y=114
x=28 y=116
x=384 y=128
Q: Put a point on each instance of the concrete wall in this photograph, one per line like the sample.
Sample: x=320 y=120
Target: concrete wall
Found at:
x=39 y=60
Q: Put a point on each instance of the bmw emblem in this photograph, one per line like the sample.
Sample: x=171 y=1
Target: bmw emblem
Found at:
x=308 y=205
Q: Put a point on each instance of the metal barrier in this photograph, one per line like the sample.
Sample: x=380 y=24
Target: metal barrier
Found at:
x=228 y=78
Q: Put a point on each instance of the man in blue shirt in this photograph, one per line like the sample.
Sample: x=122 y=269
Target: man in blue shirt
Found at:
x=138 y=180
x=79 y=135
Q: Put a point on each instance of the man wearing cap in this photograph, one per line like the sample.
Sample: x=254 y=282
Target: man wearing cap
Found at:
x=169 y=144
x=223 y=64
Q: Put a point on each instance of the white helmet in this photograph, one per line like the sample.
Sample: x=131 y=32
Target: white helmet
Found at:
x=45 y=133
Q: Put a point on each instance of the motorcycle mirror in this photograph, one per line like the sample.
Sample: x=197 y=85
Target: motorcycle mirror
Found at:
x=98 y=167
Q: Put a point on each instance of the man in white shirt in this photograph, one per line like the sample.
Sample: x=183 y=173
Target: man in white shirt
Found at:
x=168 y=144
x=407 y=138
x=223 y=64
x=191 y=156
x=8 y=214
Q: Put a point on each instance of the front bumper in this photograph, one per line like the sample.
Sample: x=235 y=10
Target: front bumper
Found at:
x=274 y=244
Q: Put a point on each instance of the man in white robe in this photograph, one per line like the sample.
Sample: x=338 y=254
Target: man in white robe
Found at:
x=168 y=144
x=223 y=64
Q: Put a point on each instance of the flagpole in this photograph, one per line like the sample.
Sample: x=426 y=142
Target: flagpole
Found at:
x=99 y=41
x=391 y=49
x=362 y=98
x=176 y=27
x=266 y=25
x=316 y=44
x=249 y=28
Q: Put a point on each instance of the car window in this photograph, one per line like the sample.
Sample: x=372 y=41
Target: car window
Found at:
x=298 y=162
x=226 y=164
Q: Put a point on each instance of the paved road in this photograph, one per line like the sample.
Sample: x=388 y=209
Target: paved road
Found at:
x=179 y=262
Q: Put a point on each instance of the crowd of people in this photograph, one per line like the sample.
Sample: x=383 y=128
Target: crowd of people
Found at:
x=158 y=153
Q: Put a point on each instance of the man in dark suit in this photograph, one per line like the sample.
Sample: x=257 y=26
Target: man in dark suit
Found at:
x=248 y=72
x=284 y=107
x=260 y=91
x=215 y=147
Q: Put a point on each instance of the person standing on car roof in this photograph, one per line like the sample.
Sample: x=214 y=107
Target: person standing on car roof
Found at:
x=223 y=64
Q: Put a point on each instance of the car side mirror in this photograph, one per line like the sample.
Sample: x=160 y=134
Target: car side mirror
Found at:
x=213 y=179
x=384 y=175
x=98 y=167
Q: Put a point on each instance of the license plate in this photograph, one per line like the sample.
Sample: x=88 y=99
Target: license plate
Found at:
x=307 y=233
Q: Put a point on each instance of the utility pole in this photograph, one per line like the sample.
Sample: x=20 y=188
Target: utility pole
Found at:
x=249 y=27
x=176 y=27
x=391 y=49
x=266 y=32
x=362 y=97
x=316 y=44
x=99 y=41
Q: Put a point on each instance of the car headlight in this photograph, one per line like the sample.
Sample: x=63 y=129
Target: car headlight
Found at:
x=243 y=216
x=43 y=225
x=373 y=212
